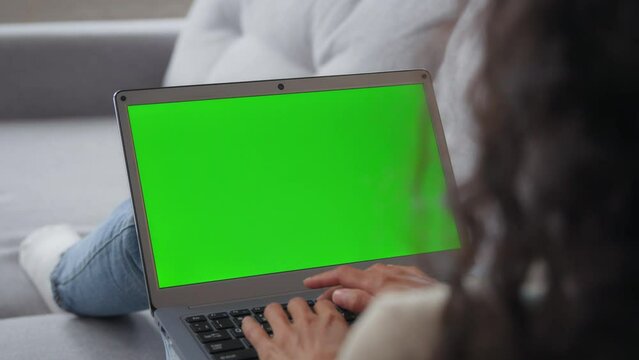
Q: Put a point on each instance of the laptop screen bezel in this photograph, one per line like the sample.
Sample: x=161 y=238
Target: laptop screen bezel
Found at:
x=269 y=284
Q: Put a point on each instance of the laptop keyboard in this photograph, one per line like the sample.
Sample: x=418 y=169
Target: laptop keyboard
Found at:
x=221 y=333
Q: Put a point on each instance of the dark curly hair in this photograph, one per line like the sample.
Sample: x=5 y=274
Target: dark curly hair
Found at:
x=557 y=104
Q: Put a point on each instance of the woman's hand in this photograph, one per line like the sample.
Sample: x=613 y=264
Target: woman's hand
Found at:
x=310 y=335
x=353 y=289
x=318 y=334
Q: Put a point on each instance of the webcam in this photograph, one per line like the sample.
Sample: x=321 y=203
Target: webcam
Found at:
x=280 y=86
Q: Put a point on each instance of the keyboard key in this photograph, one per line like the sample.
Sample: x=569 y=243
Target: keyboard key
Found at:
x=310 y=303
x=349 y=316
x=213 y=336
x=237 y=332
x=267 y=327
x=224 y=346
x=201 y=327
x=238 y=320
x=242 y=312
x=224 y=323
x=246 y=354
x=196 y=318
x=218 y=315
x=258 y=310
x=260 y=318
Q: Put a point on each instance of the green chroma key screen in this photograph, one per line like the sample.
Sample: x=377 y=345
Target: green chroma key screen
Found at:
x=264 y=184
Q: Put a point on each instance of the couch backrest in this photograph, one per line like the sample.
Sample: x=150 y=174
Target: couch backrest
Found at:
x=235 y=40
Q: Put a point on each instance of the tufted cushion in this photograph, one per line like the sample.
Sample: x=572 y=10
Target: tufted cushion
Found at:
x=233 y=40
x=461 y=62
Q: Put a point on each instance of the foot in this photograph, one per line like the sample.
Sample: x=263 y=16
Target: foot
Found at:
x=40 y=253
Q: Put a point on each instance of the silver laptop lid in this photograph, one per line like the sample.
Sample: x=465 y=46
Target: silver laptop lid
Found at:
x=242 y=190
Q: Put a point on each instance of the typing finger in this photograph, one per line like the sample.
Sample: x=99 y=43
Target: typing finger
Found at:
x=300 y=311
x=328 y=293
x=346 y=276
x=276 y=316
x=352 y=299
x=254 y=333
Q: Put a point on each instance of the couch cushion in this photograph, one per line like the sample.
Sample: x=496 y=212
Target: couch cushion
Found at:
x=463 y=57
x=53 y=171
x=58 y=171
x=73 y=68
x=18 y=296
x=65 y=336
x=229 y=40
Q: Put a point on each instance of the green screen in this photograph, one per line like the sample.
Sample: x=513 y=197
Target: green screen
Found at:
x=256 y=185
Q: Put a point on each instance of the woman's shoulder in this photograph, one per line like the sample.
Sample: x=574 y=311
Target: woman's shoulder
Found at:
x=398 y=325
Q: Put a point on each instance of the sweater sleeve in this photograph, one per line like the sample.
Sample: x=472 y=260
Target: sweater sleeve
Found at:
x=398 y=326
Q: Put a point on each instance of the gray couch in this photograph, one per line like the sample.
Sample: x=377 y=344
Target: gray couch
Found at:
x=60 y=156
x=61 y=163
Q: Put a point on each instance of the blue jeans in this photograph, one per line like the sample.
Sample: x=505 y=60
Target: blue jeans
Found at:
x=101 y=275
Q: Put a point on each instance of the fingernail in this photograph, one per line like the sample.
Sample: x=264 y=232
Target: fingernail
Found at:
x=340 y=295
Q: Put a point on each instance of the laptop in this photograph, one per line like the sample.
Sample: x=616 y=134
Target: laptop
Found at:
x=242 y=190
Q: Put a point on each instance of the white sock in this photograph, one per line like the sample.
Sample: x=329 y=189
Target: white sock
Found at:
x=40 y=253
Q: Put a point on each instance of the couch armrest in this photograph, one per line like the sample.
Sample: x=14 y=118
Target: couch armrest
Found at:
x=73 y=68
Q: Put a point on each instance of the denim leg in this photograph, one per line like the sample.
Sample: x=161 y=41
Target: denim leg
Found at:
x=101 y=275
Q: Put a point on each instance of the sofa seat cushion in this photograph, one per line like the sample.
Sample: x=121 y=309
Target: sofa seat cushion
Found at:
x=68 y=170
x=53 y=171
x=18 y=296
x=65 y=336
x=229 y=40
